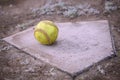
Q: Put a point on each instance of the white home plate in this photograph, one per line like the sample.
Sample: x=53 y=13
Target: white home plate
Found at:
x=79 y=45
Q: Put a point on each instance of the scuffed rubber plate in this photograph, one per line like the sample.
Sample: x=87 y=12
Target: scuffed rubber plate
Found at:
x=79 y=45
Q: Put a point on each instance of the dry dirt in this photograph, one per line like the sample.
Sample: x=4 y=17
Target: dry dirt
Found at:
x=18 y=15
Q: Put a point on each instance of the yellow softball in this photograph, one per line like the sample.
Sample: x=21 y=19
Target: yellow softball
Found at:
x=46 y=32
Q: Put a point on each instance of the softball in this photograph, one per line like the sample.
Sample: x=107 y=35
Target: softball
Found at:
x=46 y=32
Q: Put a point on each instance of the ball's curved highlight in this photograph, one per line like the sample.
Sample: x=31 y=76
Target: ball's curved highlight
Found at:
x=46 y=32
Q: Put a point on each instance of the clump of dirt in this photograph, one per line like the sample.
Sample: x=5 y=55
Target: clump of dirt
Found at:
x=61 y=8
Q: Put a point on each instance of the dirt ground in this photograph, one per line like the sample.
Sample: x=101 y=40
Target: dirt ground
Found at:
x=18 y=15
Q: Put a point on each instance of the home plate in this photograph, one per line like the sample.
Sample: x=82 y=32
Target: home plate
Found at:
x=78 y=46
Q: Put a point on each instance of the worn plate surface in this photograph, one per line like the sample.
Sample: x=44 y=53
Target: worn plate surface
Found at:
x=79 y=45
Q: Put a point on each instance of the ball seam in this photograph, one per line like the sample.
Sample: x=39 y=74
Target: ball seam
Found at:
x=46 y=35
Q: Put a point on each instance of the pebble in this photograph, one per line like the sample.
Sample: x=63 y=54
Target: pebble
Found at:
x=10 y=5
x=100 y=70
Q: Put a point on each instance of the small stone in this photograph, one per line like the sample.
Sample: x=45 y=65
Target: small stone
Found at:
x=30 y=69
x=4 y=48
x=118 y=29
x=25 y=62
x=100 y=70
x=10 y=5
